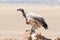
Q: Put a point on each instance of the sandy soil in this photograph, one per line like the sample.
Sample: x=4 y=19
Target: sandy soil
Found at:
x=12 y=23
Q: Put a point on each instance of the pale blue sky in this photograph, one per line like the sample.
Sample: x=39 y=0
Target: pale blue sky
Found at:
x=32 y=1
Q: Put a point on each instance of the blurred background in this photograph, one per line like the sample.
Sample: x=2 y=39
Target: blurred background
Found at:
x=12 y=22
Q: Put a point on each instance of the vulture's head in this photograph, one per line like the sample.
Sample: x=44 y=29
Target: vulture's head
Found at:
x=20 y=9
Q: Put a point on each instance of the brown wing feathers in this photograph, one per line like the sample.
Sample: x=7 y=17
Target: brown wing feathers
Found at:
x=42 y=21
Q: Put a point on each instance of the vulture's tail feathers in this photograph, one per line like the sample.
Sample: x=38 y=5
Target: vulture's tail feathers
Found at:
x=44 y=24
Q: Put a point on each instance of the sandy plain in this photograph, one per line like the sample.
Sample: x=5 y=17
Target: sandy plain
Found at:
x=12 y=22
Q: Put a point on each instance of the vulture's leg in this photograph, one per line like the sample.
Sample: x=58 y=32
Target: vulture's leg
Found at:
x=32 y=30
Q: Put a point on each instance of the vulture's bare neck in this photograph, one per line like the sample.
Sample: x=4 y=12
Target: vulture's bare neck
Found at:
x=23 y=14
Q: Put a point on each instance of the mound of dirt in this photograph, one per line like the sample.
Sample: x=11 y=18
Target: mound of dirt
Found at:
x=26 y=35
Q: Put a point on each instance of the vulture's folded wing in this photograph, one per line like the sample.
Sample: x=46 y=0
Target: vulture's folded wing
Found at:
x=42 y=21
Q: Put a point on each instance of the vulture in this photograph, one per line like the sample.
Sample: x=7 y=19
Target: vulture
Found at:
x=36 y=21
